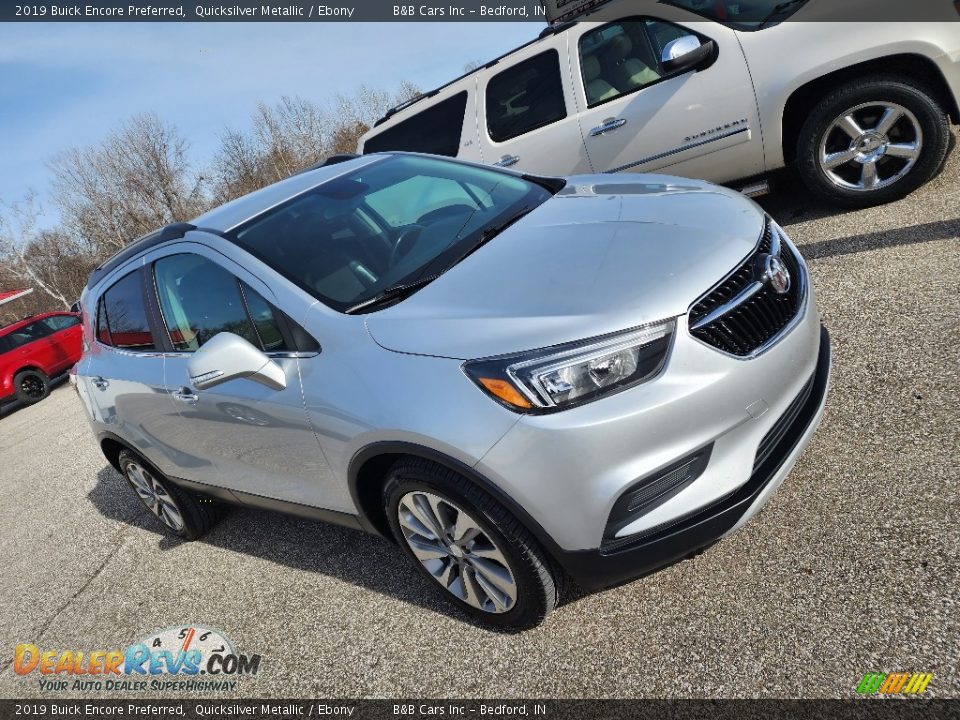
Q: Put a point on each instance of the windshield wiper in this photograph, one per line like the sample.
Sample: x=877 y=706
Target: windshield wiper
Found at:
x=489 y=233
x=392 y=294
x=398 y=292
x=779 y=9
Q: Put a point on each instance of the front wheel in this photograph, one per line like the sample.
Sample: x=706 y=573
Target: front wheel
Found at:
x=469 y=546
x=872 y=141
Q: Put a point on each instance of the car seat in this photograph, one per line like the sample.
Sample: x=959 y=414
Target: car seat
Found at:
x=598 y=89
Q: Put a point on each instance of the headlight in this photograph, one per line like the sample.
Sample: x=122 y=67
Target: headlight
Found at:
x=566 y=375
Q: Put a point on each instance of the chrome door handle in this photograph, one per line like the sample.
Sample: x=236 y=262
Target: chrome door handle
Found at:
x=507 y=161
x=99 y=383
x=608 y=125
x=185 y=395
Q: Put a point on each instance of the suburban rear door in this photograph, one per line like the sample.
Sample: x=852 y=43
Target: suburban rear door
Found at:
x=528 y=112
x=637 y=117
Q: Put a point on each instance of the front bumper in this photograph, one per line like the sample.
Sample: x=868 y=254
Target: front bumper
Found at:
x=608 y=566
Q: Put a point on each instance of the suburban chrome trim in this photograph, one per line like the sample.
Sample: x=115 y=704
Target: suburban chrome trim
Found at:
x=682 y=148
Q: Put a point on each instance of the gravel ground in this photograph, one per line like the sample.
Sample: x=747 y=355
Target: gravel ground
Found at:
x=852 y=567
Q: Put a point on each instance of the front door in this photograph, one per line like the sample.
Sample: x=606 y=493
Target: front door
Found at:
x=640 y=118
x=259 y=440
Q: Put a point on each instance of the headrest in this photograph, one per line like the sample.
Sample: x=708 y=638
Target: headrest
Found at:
x=591 y=68
x=620 y=47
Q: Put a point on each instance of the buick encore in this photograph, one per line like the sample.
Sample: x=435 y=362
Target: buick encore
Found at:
x=518 y=379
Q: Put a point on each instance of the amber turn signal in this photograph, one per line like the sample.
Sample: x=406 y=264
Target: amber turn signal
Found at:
x=505 y=391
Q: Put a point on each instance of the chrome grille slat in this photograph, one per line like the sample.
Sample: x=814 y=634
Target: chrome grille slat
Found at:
x=759 y=318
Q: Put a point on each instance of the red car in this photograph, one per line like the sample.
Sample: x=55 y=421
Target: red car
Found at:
x=34 y=350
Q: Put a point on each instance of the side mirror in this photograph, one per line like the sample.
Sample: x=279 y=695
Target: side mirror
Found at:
x=229 y=357
x=686 y=53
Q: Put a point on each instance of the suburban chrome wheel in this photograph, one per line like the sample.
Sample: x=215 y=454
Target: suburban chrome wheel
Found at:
x=870 y=146
x=154 y=496
x=459 y=555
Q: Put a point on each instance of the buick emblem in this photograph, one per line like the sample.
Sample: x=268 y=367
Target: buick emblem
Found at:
x=776 y=274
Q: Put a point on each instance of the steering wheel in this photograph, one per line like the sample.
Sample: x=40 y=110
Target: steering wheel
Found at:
x=405 y=242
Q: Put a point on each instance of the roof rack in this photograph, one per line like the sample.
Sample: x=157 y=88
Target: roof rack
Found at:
x=173 y=231
x=546 y=32
x=330 y=160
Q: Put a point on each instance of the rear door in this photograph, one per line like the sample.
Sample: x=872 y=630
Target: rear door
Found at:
x=65 y=340
x=528 y=113
x=637 y=117
x=122 y=373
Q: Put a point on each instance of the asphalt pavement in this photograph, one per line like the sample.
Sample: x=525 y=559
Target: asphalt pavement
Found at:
x=852 y=567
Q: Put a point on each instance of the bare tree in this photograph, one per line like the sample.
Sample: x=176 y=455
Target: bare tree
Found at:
x=138 y=179
x=295 y=133
x=49 y=261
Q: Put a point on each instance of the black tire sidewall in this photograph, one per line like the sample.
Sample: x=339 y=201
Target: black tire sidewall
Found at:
x=529 y=608
x=22 y=396
x=195 y=520
x=930 y=116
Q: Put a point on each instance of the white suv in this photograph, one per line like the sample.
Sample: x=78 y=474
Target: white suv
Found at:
x=719 y=91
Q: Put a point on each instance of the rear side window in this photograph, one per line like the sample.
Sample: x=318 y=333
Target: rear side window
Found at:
x=61 y=322
x=122 y=317
x=435 y=130
x=525 y=97
x=27 y=334
x=199 y=299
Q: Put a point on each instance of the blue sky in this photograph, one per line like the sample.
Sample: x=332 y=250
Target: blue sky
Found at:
x=69 y=85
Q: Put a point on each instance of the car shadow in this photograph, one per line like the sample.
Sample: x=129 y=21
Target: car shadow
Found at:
x=352 y=556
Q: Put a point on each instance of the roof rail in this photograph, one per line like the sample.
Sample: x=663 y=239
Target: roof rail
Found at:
x=173 y=231
x=329 y=160
x=547 y=32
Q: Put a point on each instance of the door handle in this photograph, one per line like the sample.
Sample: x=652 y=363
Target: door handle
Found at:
x=185 y=395
x=608 y=125
x=99 y=383
x=507 y=161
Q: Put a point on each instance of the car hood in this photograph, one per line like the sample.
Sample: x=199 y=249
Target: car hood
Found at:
x=605 y=254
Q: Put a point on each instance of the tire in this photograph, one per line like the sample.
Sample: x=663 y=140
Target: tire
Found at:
x=500 y=550
x=917 y=120
x=179 y=512
x=32 y=386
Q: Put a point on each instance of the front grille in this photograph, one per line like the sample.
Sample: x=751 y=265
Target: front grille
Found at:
x=783 y=424
x=745 y=326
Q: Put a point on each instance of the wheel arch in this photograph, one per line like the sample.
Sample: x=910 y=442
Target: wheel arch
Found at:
x=906 y=65
x=368 y=470
x=111 y=446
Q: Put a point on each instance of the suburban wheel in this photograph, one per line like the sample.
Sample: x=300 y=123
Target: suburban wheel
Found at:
x=872 y=141
x=31 y=386
x=468 y=545
x=178 y=511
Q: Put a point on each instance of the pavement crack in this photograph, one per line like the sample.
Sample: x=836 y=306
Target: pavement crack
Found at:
x=39 y=633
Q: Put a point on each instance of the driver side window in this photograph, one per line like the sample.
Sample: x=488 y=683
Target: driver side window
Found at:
x=199 y=299
x=623 y=57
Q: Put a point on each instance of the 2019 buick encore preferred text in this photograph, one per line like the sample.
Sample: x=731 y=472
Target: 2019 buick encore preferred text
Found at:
x=519 y=379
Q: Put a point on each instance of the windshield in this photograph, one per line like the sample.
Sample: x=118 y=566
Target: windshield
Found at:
x=387 y=224
x=750 y=13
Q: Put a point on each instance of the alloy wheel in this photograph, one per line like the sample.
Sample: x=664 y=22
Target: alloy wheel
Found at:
x=870 y=146
x=32 y=386
x=155 y=496
x=457 y=552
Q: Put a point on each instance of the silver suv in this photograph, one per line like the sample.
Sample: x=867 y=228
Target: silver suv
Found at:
x=519 y=379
